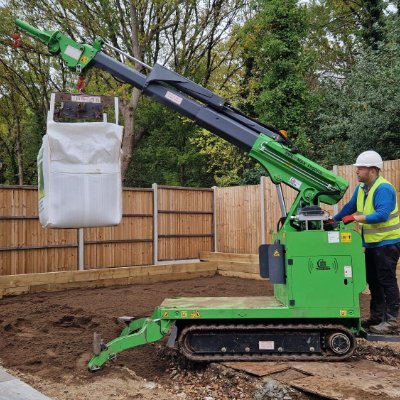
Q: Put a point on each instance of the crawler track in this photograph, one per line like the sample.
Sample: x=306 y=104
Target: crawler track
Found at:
x=255 y=342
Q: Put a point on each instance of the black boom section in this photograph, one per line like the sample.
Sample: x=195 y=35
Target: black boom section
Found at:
x=237 y=130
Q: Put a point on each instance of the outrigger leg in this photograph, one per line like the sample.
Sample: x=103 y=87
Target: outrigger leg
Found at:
x=136 y=333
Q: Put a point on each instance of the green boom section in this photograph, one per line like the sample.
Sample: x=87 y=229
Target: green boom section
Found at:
x=76 y=56
x=295 y=170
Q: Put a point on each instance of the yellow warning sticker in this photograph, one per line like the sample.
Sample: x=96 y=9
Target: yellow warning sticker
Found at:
x=84 y=59
x=276 y=253
x=195 y=314
x=345 y=237
x=184 y=314
x=343 y=313
x=165 y=314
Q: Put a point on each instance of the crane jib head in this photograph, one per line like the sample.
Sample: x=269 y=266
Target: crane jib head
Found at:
x=76 y=56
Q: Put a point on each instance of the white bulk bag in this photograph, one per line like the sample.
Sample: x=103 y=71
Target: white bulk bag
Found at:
x=80 y=174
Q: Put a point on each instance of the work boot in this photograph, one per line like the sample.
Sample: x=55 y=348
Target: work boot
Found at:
x=371 y=321
x=385 y=327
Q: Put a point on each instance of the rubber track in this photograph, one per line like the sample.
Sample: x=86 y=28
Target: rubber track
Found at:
x=326 y=355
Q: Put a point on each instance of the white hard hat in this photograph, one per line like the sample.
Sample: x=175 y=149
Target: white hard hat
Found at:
x=369 y=158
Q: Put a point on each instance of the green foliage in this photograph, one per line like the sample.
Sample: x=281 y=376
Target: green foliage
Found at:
x=273 y=46
x=372 y=21
x=252 y=176
x=363 y=111
x=166 y=155
x=225 y=162
x=327 y=71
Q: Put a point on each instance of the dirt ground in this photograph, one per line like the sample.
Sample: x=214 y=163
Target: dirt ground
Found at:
x=46 y=339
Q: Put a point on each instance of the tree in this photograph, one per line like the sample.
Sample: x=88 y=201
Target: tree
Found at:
x=363 y=112
x=273 y=49
x=24 y=86
x=173 y=32
x=165 y=154
x=372 y=22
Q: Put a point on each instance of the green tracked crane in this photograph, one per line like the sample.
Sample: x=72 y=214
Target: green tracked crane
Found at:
x=317 y=269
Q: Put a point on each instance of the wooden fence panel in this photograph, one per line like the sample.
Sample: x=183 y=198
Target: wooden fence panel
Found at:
x=26 y=247
x=238 y=218
x=129 y=243
x=185 y=222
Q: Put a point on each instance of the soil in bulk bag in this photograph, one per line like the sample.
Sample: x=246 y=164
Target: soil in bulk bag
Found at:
x=79 y=174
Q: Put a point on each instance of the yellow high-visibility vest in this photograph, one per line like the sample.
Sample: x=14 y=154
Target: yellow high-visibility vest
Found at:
x=374 y=233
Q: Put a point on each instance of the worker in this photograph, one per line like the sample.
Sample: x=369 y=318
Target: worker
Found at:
x=374 y=206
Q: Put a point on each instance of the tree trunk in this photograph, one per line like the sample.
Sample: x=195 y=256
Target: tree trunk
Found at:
x=18 y=150
x=128 y=109
x=131 y=137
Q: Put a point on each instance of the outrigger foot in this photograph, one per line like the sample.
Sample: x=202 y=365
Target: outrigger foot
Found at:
x=98 y=344
x=136 y=333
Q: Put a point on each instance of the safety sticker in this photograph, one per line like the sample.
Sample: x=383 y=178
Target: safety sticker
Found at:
x=343 y=313
x=86 y=99
x=173 y=97
x=195 y=314
x=72 y=52
x=295 y=182
x=348 y=273
x=276 y=253
x=85 y=59
x=333 y=237
x=345 y=237
x=184 y=314
x=165 y=314
x=266 y=345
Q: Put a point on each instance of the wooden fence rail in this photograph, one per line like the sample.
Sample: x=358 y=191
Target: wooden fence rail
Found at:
x=183 y=227
x=159 y=224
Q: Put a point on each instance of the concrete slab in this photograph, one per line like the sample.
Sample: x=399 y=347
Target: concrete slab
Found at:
x=4 y=376
x=12 y=388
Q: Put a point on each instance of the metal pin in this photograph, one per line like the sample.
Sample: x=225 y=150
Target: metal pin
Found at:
x=128 y=56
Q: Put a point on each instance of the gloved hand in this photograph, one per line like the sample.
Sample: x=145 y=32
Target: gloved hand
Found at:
x=348 y=218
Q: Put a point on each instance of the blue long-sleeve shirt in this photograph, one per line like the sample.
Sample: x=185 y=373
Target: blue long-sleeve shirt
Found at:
x=384 y=203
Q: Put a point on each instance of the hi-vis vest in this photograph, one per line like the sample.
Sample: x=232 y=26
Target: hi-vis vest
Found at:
x=374 y=233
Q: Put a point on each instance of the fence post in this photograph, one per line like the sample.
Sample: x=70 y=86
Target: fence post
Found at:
x=335 y=206
x=81 y=250
x=214 y=188
x=262 y=208
x=155 y=223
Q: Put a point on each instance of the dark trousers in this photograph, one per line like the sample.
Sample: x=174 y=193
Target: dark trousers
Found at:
x=381 y=265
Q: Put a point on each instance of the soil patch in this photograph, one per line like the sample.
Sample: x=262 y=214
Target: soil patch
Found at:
x=46 y=338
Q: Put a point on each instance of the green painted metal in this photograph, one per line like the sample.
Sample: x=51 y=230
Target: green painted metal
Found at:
x=300 y=173
x=139 y=332
x=76 y=56
x=325 y=274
